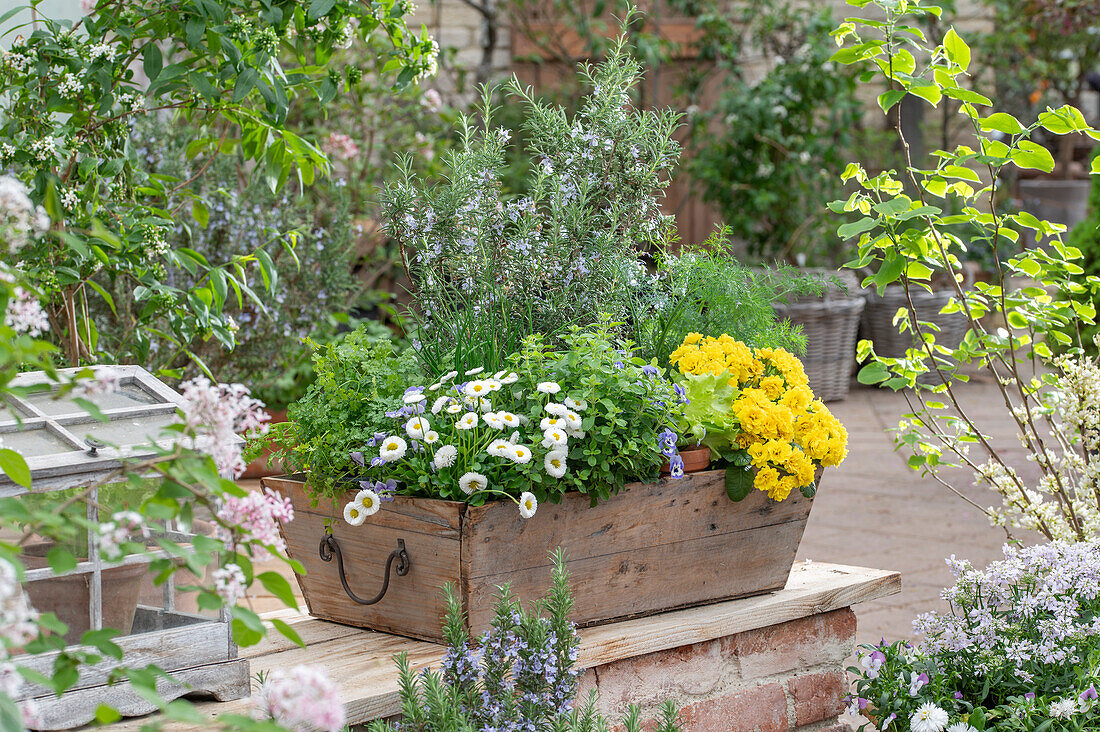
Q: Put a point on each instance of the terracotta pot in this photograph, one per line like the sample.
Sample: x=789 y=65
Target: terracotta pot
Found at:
x=69 y=597
x=695 y=460
x=258 y=468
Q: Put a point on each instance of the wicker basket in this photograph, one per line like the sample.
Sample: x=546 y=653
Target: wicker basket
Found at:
x=830 y=324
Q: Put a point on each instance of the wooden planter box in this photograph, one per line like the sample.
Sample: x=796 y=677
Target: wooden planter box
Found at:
x=651 y=548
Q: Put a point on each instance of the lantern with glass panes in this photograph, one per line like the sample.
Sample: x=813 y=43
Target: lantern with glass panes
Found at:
x=66 y=447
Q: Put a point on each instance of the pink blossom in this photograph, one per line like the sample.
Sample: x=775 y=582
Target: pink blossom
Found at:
x=340 y=146
x=25 y=314
x=229 y=583
x=106 y=380
x=254 y=518
x=121 y=528
x=215 y=414
x=18 y=620
x=302 y=699
x=432 y=100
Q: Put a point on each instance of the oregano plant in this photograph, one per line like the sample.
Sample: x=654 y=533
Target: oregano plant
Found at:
x=906 y=237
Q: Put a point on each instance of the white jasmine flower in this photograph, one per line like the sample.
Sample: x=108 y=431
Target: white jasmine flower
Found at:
x=468 y=421
x=548 y=387
x=445 y=457
x=368 y=501
x=499 y=448
x=353 y=514
x=549 y=423
x=577 y=405
x=439 y=403
x=528 y=504
x=554 y=462
x=414 y=397
x=416 y=427
x=509 y=419
x=555 y=409
x=928 y=718
x=454 y=408
x=431 y=437
x=393 y=448
x=472 y=482
x=493 y=420
x=100 y=50
x=476 y=389
x=520 y=454
x=554 y=438
x=1063 y=708
x=70 y=87
x=494 y=384
x=474 y=372
x=510 y=378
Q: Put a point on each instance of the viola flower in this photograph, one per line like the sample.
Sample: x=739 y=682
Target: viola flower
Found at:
x=472 y=482
x=528 y=505
x=676 y=467
x=918 y=683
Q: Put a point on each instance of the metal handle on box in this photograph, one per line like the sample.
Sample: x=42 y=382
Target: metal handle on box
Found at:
x=331 y=548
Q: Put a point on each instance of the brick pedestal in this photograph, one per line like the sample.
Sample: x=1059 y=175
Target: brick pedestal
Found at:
x=788 y=676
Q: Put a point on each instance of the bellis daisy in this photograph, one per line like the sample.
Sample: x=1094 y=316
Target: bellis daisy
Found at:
x=509 y=419
x=520 y=454
x=431 y=437
x=1063 y=708
x=499 y=448
x=467 y=421
x=353 y=514
x=472 y=482
x=928 y=718
x=578 y=405
x=554 y=438
x=414 y=397
x=393 y=448
x=475 y=372
x=509 y=378
x=528 y=504
x=445 y=456
x=494 y=384
x=961 y=727
x=493 y=420
x=368 y=501
x=416 y=427
x=447 y=377
x=476 y=389
x=554 y=462
x=548 y=423
x=438 y=404
x=548 y=387
x=555 y=409
x=454 y=408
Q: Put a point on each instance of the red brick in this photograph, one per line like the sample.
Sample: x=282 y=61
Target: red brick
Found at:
x=759 y=709
x=696 y=670
x=817 y=696
x=795 y=645
x=838 y=727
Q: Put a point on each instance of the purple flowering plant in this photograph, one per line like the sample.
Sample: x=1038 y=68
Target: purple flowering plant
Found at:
x=520 y=676
x=1018 y=649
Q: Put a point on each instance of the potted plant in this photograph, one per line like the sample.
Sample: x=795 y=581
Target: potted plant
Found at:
x=1041 y=53
x=773 y=167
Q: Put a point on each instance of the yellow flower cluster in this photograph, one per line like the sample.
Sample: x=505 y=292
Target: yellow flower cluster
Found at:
x=785 y=430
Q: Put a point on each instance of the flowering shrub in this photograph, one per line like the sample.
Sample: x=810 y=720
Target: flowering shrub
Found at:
x=1018 y=650
x=584 y=419
x=520 y=675
x=301 y=699
x=907 y=237
x=754 y=408
x=490 y=269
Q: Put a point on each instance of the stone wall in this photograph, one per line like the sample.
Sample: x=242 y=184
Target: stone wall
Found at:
x=784 y=677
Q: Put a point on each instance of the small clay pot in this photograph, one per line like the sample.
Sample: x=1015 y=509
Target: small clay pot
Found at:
x=695 y=459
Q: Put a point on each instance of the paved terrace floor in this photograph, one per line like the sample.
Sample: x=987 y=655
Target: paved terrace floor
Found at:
x=874 y=511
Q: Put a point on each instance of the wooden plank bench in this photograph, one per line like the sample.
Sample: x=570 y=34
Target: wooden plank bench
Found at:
x=361 y=661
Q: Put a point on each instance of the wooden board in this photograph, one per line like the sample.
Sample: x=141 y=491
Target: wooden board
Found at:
x=368 y=677
x=651 y=548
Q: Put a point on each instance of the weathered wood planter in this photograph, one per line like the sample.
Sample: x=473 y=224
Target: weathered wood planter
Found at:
x=651 y=548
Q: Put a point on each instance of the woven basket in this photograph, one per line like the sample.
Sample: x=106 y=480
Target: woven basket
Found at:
x=830 y=324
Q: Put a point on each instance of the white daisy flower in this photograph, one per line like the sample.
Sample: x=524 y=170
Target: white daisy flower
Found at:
x=1061 y=709
x=435 y=387
x=416 y=427
x=510 y=378
x=577 y=405
x=486 y=405
x=961 y=727
x=572 y=420
x=470 y=401
x=513 y=438
x=438 y=404
x=555 y=409
x=393 y=448
x=445 y=456
x=472 y=482
x=509 y=419
x=431 y=437
x=928 y=718
x=368 y=501
x=474 y=372
x=476 y=389
x=528 y=504
x=500 y=374
x=468 y=421
x=454 y=408
x=354 y=514
x=554 y=437
x=447 y=377
x=494 y=384
x=554 y=462
x=548 y=387
x=493 y=420
x=499 y=448
x=520 y=454
x=414 y=397
x=549 y=423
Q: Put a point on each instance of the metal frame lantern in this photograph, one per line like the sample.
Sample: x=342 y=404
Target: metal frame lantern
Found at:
x=66 y=447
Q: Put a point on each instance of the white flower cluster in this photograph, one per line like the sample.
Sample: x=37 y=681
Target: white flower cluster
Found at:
x=18 y=625
x=24 y=313
x=124 y=526
x=214 y=414
x=70 y=87
x=20 y=219
x=229 y=583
